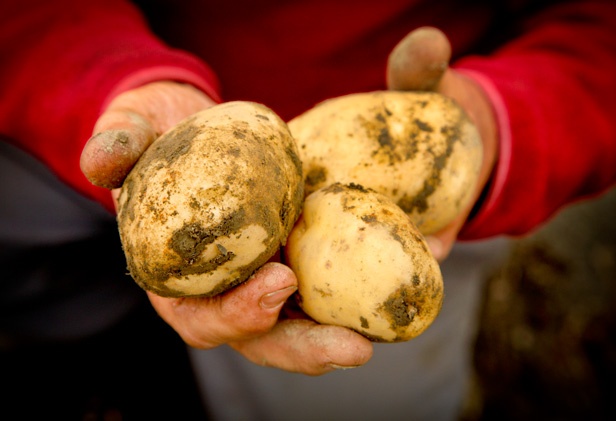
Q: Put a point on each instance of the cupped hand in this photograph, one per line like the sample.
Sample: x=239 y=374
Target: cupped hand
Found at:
x=254 y=317
x=420 y=62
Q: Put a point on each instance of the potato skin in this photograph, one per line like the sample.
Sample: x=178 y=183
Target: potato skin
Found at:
x=418 y=148
x=210 y=201
x=362 y=264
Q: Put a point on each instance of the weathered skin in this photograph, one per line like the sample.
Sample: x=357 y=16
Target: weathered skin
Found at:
x=418 y=148
x=362 y=264
x=210 y=201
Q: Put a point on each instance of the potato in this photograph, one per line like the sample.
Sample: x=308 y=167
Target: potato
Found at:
x=418 y=148
x=210 y=201
x=361 y=263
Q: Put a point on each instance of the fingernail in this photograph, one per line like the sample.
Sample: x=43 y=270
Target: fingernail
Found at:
x=343 y=367
x=277 y=298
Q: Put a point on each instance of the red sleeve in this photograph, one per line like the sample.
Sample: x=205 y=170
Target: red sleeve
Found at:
x=554 y=92
x=63 y=60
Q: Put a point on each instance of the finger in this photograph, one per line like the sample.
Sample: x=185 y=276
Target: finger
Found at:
x=248 y=310
x=419 y=61
x=303 y=346
x=121 y=138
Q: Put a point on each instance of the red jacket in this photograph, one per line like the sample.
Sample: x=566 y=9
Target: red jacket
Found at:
x=550 y=72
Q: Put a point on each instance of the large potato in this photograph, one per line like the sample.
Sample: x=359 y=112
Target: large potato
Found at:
x=210 y=201
x=418 y=148
x=361 y=263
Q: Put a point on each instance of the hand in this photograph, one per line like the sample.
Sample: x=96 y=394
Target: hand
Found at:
x=254 y=318
x=421 y=62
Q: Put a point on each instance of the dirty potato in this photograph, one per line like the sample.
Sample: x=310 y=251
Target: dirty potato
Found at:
x=418 y=148
x=210 y=201
x=361 y=263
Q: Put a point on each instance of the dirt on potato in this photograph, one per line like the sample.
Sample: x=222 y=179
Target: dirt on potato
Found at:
x=418 y=148
x=391 y=149
x=361 y=263
x=409 y=301
x=189 y=241
x=210 y=201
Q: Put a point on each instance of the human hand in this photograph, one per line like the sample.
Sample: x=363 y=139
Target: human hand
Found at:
x=254 y=318
x=420 y=62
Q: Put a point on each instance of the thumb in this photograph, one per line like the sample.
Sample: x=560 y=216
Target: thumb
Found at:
x=419 y=60
x=131 y=122
x=121 y=136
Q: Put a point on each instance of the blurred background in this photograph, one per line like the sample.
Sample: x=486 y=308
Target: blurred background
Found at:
x=546 y=345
